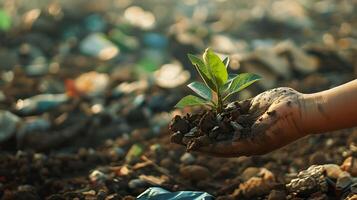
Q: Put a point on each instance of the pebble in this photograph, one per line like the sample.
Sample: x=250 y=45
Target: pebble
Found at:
x=318 y=158
x=277 y=195
x=350 y=165
x=117 y=152
x=8 y=124
x=308 y=180
x=255 y=186
x=334 y=171
x=166 y=162
x=92 y=83
x=195 y=172
x=97 y=45
x=137 y=183
x=187 y=159
x=249 y=172
x=97 y=176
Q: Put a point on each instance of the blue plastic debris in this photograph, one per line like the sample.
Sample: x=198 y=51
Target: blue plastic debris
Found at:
x=40 y=103
x=155 y=40
x=157 y=193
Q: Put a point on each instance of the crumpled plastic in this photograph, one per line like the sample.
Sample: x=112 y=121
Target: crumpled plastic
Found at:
x=157 y=193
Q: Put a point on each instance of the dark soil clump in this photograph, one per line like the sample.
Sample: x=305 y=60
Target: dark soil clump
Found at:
x=209 y=127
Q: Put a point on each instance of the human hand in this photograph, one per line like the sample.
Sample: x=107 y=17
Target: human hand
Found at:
x=277 y=115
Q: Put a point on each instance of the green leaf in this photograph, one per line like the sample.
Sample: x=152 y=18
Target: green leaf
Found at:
x=215 y=67
x=190 y=100
x=202 y=70
x=242 y=81
x=201 y=89
x=226 y=62
x=5 y=21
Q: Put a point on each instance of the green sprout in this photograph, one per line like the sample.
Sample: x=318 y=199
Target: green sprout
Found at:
x=218 y=85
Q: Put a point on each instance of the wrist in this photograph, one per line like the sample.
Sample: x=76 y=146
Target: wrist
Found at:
x=312 y=115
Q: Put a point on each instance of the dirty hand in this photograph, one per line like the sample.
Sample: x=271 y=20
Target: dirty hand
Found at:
x=277 y=115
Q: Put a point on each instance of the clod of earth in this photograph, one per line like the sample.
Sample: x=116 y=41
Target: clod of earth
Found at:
x=209 y=127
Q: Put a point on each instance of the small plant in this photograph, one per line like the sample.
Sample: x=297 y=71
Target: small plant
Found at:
x=218 y=85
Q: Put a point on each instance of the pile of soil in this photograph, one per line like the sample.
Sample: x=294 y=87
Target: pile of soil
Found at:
x=208 y=127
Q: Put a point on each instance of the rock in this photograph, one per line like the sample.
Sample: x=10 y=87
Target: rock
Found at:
x=249 y=172
x=117 y=152
x=271 y=61
x=301 y=61
x=95 y=23
x=166 y=162
x=318 y=158
x=138 y=17
x=223 y=43
x=255 y=186
x=91 y=84
x=171 y=75
x=97 y=176
x=334 y=171
x=257 y=172
x=350 y=165
x=308 y=181
x=187 y=159
x=8 y=123
x=257 y=182
x=8 y=59
x=37 y=67
x=137 y=183
x=277 y=195
x=290 y=13
x=97 y=45
x=195 y=172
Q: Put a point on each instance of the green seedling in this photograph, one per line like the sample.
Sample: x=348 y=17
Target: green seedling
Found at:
x=217 y=84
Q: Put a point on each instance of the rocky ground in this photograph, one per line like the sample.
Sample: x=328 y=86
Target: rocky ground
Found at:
x=88 y=89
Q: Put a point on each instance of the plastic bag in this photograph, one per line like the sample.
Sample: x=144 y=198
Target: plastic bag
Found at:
x=157 y=193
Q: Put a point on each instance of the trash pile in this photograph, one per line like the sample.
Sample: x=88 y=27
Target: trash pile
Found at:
x=87 y=89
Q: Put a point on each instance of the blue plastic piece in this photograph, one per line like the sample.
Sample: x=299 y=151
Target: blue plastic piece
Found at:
x=157 y=193
x=155 y=40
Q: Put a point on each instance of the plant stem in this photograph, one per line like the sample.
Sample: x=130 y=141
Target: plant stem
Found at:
x=219 y=101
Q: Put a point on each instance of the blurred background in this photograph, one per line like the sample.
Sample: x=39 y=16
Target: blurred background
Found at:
x=88 y=89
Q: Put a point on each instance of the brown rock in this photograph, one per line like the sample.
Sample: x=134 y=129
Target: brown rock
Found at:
x=318 y=158
x=277 y=195
x=255 y=186
x=334 y=171
x=249 y=172
x=166 y=162
x=308 y=181
x=194 y=172
x=350 y=165
x=257 y=172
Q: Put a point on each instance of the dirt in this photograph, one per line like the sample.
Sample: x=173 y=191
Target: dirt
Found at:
x=209 y=126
